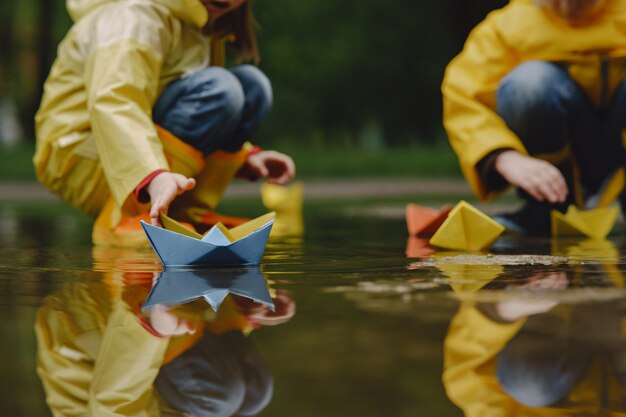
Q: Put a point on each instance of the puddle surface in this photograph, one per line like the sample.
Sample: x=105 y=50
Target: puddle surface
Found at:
x=365 y=322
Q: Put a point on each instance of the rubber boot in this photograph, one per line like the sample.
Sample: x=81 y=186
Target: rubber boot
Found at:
x=198 y=205
x=114 y=229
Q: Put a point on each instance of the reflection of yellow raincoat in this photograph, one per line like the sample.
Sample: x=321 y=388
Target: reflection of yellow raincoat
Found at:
x=95 y=358
x=95 y=134
x=469 y=377
x=595 y=55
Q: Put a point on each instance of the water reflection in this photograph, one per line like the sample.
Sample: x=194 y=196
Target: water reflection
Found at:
x=418 y=247
x=545 y=338
x=180 y=286
x=537 y=357
x=99 y=354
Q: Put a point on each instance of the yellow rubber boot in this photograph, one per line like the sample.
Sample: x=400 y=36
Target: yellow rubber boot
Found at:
x=114 y=229
x=197 y=206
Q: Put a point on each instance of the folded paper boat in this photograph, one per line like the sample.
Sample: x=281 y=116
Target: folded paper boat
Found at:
x=596 y=223
x=468 y=229
x=425 y=221
x=180 y=286
x=175 y=245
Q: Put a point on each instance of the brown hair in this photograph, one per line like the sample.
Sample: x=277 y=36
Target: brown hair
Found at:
x=241 y=24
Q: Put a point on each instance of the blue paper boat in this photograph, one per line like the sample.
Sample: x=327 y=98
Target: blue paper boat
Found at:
x=176 y=245
x=180 y=286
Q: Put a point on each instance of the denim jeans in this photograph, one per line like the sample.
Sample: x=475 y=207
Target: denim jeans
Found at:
x=545 y=108
x=215 y=108
x=539 y=367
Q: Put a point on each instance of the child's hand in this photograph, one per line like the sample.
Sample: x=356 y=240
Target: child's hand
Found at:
x=163 y=189
x=540 y=179
x=512 y=310
x=166 y=323
x=274 y=166
x=285 y=309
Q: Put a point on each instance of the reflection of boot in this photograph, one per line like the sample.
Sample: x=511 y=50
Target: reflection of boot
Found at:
x=113 y=229
x=533 y=219
x=197 y=206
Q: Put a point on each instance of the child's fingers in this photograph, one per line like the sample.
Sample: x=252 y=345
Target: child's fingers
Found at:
x=186 y=184
x=259 y=165
x=154 y=216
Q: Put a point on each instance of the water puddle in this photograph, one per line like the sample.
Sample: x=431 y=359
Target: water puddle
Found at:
x=350 y=317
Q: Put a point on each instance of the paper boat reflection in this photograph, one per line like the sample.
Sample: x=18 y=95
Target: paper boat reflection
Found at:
x=176 y=245
x=181 y=286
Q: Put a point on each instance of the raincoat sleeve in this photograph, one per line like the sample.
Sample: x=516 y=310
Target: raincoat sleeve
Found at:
x=126 y=367
x=125 y=49
x=470 y=348
x=469 y=98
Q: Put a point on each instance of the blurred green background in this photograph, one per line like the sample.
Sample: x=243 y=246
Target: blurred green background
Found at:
x=356 y=83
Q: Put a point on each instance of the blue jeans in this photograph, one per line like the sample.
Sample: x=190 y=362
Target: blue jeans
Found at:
x=545 y=108
x=215 y=108
x=543 y=362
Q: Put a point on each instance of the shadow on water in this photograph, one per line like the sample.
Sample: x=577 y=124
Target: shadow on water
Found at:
x=350 y=317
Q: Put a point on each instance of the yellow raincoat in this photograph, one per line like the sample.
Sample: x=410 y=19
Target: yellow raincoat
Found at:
x=470 y=350
x=595 y=55
x=95 y=135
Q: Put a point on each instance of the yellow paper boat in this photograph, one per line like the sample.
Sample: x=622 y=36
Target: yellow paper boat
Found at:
x=287 y=203
x=468 y=229
x=596 y=223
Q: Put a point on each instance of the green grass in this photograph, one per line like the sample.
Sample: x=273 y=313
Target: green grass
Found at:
x=16 y=163
x=416 y=161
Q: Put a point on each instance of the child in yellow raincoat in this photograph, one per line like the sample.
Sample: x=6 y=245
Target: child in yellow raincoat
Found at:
x=537 y=100
x=137 y=110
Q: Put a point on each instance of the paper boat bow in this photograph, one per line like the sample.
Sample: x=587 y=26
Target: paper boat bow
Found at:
x=176 y=245
x=178 y=286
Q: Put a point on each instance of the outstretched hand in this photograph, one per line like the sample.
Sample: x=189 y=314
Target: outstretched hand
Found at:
x=167 y=323
x=275 y=167
x=163 y=189
x=542 y=180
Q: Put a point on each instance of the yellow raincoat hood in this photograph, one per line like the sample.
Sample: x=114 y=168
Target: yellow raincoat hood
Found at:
x=94 y=128
x=520 y=32
x=188 y=10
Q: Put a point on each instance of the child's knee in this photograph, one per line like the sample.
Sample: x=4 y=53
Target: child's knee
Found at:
x=257 y=87
x=531 y=85
x=219 y=89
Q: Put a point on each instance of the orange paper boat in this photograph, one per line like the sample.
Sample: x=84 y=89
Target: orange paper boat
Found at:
x=424 y=221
